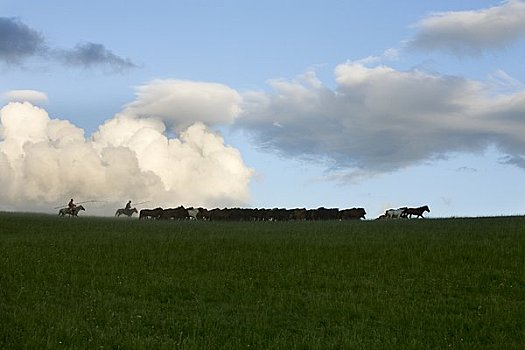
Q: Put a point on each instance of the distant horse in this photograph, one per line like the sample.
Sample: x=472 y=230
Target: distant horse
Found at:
x=418 y=212
x=64 y=211
x=125 y=211
x=396 y=213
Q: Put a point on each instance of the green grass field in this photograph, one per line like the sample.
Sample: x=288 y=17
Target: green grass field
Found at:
x=419 y=284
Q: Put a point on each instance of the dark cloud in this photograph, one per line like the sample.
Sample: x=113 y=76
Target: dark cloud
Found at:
x=90 y=55
x=18 y=41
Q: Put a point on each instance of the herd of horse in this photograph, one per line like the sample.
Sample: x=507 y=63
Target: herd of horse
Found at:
x=248 y=214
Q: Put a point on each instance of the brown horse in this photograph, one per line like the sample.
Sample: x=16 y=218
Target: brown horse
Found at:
x=179 y=213
x=354 y=213
x=124 y=211
x=418 y=212
x=66 y=211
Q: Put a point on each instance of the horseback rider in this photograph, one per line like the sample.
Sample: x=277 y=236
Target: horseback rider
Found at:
x=71 y=207
x=128 y=206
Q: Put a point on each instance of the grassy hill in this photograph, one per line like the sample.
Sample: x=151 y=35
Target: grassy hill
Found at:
x=92 y=282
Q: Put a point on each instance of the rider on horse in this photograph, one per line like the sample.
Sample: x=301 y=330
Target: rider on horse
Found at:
x=128 y=206
x=71 y=207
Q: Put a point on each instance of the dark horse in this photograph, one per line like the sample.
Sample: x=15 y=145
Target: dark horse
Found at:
x=125 y=211
x=150 y=213
x=418 y=212
x=64 y=211
x=179 y=213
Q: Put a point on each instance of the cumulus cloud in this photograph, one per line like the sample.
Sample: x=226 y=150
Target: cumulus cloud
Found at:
x=471 y=32
x=19 y=42
x=44 y=161
x=180 y=103
x=33 y=96
x=379 y=119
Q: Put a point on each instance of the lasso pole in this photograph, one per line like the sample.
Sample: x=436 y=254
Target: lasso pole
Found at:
x=89 y=201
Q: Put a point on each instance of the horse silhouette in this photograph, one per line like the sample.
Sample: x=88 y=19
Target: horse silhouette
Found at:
x=66 y=211
x=125 y=211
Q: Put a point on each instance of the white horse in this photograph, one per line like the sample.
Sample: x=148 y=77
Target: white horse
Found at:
x=125 y=211
x=64 y=211
x=192 y=213
x=395 y=213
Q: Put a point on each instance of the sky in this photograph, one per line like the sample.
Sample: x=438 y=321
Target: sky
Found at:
x=263 y=104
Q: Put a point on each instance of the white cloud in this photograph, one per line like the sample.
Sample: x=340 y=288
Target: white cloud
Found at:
x=471 y=32
x=33 y=96
x=180 y=103
x=46 y=161
x=379 y=119
x=502 y=82
x=391 y=54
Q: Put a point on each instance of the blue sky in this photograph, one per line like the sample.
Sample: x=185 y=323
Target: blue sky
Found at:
x=264 y=104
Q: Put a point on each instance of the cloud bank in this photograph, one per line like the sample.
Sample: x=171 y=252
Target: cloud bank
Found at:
x=376 y=120
x=380 y=120
x=45 y=161
x=19 y=42
x=471 y=32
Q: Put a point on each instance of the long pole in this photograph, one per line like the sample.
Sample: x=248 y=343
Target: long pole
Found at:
x=90 y=201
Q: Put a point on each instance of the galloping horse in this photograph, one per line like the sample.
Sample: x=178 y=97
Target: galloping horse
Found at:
x=125 y=211
x=396 y=213
x=417 y=211
x=64 y=211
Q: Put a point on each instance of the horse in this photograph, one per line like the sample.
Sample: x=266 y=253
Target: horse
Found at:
x=418 y=212
x=64 y=211
x=179 y=213
x=150 y=213
x=125 y=211
x=354 y=213
x=193 y=213
x=396 y=213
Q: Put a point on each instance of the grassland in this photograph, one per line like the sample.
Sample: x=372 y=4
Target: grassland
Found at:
x=418 y=284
